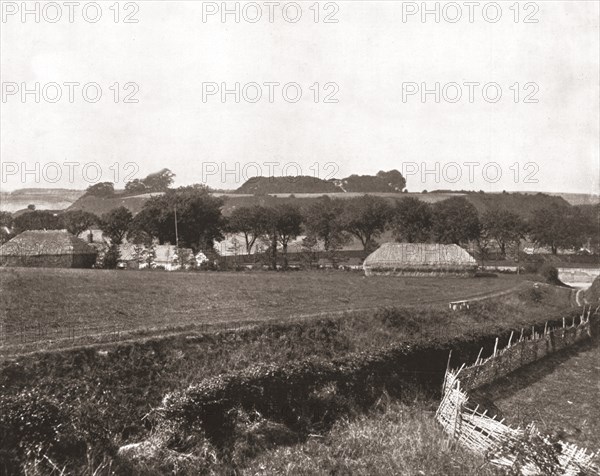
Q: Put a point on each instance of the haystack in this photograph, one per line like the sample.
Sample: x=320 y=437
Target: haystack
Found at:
x=413 y=259
x=47 y=249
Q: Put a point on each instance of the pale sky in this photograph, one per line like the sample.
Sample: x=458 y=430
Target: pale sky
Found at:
x=371 y=54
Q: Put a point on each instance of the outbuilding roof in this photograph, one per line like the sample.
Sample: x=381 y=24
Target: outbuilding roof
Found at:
x=419 y=255
x=45 y=242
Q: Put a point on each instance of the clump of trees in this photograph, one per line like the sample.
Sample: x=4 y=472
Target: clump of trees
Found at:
x=160 y=181
x=193 y=209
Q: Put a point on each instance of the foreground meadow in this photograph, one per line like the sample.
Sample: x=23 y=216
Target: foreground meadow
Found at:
x=80 y=405
x=37 y=304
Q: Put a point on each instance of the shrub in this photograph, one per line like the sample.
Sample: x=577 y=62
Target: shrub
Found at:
x=549 y=273
x=398 y=318
x=111 y=257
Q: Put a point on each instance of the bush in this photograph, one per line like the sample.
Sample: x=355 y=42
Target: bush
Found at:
x=111 y=258
x=35 y=430
x=398 y=318
x=549 y=273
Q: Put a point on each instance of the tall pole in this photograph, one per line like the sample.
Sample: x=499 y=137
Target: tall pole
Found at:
x=176 y=234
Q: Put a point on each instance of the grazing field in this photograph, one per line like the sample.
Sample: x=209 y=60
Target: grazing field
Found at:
x=561 y=394
x=38 y=303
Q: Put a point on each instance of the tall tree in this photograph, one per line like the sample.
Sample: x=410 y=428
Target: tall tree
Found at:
x=456 y=221
x=196 y=213
x=284 y=224
x=504 y=227
x=159 y=181
x=323 y=221
x=251 y=222
x=77 y=221
x=411 y=220
x=366 y=218
x=115 y=224
x=37 y=220
x=393 y=178
x=6 y=224
x=136 y=186
x=558 y=226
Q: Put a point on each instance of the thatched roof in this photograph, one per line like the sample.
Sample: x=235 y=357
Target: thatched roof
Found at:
x=419 y=256
x=45 y=243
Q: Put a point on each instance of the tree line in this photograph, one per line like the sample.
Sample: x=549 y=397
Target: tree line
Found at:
x=327 y=223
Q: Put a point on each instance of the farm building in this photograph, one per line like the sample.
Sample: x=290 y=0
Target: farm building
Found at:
x=418 y=259
x=47 y=249
x=169 y=257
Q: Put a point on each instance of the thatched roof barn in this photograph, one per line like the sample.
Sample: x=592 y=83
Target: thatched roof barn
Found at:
x=47 y=249
x=414 y=259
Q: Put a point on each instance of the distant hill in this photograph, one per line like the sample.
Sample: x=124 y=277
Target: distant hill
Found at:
x=383 y=182
x=579 y=198
x=42 y=198
x=521 y=203
x=100 y=205
x=300 y=184
x=266 y=191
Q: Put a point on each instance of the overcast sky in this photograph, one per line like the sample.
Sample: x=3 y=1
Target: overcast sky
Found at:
x=369 y=56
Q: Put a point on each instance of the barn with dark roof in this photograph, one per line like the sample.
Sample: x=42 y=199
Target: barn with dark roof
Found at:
x=47 y=249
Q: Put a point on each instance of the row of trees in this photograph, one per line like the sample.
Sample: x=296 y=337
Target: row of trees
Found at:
x=333 y=222
x=329 y=222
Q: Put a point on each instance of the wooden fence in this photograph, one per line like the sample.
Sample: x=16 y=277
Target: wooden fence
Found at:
x=524 y=450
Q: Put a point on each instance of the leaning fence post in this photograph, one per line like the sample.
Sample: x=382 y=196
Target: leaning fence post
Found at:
x=479 y=356
x=447 y=369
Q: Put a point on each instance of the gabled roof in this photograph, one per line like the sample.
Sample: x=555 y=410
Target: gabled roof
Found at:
x=42 y=243
x=415 y=255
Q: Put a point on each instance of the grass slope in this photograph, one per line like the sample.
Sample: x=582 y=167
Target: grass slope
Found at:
x=561 y=394
x=397 y=438
x=87 y=299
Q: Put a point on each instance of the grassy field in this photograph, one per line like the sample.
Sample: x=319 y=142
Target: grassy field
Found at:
x=561 y=394
x=40 y=301
x=102 y=395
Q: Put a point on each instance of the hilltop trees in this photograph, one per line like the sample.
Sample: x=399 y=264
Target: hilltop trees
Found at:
x=101 y=189
x=456 y=221
x=411 y=220
x=156 y=182
x=393 y=178
x=365 y=218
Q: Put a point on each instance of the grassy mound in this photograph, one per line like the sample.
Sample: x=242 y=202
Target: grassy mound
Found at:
x=592 y=295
